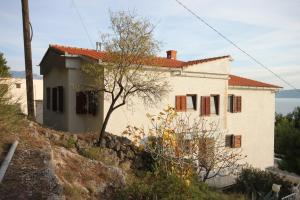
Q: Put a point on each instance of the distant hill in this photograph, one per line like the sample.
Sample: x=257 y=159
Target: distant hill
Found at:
x=288 y=94
x=21 y=74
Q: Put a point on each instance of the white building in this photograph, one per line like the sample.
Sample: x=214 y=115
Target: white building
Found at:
x=244 y=108
x=17 y=88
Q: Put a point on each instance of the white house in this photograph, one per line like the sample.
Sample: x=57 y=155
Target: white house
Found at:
x=244 y=108
x=17 y=92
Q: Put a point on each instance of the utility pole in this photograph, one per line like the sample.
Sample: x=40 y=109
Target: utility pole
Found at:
x=28 y=61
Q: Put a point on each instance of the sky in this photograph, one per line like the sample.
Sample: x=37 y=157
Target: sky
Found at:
x=269 y=30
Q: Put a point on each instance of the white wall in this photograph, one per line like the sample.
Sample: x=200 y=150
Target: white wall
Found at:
x=256 y=125
x=19 y=95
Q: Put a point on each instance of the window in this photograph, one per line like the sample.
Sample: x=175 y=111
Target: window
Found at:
x=233 y=141
x=234 y=104
x=87 y=102
x=54 y=99
x=191 y=101
x=180 y=103
x=57 y=98
x=48 y=98
x=214 y=104
x=18 y=85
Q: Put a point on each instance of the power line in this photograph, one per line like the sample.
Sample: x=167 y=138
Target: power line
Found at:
x=235 y=45
x=82 y=23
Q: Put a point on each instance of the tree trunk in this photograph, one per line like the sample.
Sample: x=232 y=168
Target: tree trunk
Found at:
x=103 y=128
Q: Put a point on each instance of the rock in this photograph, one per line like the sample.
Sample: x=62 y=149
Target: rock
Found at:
x=123 y=147
x=111 y=144
x=117 y=146
x=103 y=143
x=55 y=137
x=126 y=165
x=121 y=155
x=75 y=138
x=130 y=154
x=81 y=144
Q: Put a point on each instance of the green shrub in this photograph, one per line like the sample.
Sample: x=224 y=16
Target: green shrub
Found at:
x=70 y=143
x=260 y=182
x=170 y=187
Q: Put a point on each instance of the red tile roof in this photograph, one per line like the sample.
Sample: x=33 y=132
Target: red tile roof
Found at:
x=157 y=61
x=240 y=81
x=163 y=62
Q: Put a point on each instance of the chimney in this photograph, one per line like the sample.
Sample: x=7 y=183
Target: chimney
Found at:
x=98 y=46
x=171 y=54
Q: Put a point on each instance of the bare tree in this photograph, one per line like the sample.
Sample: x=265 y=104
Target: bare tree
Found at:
x=185 y=143
x=123 y=75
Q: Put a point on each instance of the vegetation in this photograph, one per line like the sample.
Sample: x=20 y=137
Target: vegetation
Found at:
x=260 y=183
x=4 y=68
x=122 y=77
x=184 y=146
x=160 y=185
x=287 y=140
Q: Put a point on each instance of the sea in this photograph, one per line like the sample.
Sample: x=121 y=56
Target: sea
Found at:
x=286 y=105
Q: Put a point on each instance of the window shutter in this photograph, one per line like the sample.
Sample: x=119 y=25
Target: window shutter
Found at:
x=202 y=106
x=54 y=99
x=81 y=103
x=234 y=104
x=93 y=102
x=207 y=105
x=228 y=140
x=177 y=103
x=217 y=104
x=48 y=98
x=183 y=103
x=60 y=98
x=180 y=103
x=239 y=104
x=237 y=141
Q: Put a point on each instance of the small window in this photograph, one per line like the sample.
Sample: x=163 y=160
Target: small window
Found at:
x=233 y=141
x=228 y=140
x=87 y=102
x=234 y=104
x=18 y=85
x=214 y=104
x=191 y=101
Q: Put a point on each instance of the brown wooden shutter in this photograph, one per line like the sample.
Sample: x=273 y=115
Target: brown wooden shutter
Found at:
x=81 y=103
x=48 y=98
x=180 y=103
x=228 y=140
x=234 y=104
x=54 y=99
x=238 y=104
x=60 y=98
x=202 y=106
x=177 y=103
x=93 y=102
x=237 y=141
x=207 y=105
x=183 y=103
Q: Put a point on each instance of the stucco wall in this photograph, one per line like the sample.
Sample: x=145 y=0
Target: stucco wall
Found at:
x=77 y=82
x=256 y=125
x=57 y=76
x=19 y=95
x=135 y=114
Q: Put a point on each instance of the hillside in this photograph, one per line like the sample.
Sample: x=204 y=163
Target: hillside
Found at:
x=56 y=165
x=288 y=94
x=21 y=74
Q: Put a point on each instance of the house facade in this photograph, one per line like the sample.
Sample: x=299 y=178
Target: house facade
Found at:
x=244 y=109
x=17 y=92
